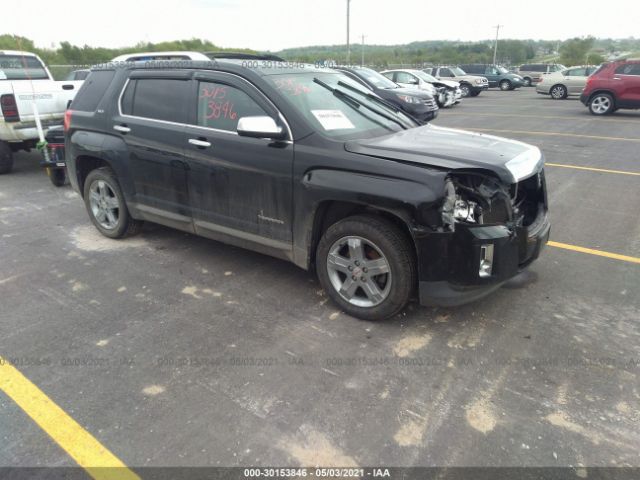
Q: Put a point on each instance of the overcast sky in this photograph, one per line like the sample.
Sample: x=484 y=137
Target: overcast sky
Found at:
x=277 y=24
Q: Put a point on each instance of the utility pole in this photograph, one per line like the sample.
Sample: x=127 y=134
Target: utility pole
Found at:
x=362 y=62
x=348 y=45
x=495 y=45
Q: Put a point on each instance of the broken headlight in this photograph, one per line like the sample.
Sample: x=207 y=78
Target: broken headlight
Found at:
x=458 y=208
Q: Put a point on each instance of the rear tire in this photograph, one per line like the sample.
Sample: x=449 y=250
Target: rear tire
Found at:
x=526 y=81
x=475 y=93
x=58 y=176
x=349 y=253
x=558 y=92
x=106 y=205
x=505 y=85
x=602 y=104
x=6 y=158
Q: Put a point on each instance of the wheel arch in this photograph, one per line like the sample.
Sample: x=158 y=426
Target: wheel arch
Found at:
x=85 y=164
x=603 y=90
x=329 y=212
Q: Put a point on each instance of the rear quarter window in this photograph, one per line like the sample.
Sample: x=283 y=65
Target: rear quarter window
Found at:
x=92 y=90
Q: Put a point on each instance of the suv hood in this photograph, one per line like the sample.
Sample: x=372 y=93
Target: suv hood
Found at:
x=449 y=148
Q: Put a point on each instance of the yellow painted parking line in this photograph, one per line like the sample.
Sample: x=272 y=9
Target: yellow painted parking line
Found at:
x=88 y=452
x=591 y=169
x=554 y=134
x=535 y=116
x=592 y=251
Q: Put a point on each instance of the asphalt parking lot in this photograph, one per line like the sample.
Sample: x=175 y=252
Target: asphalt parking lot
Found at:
x=174 y=350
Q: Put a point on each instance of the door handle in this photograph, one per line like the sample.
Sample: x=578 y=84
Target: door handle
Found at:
x=121 y=128
x=199 y=143
x=617 y=78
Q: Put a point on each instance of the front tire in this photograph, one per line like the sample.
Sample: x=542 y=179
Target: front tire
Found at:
x=366 y=265
x=465 y=90
x=602 y=104
x=106 y=205
x=559 y=92
x=505 y=85
x=6 y=158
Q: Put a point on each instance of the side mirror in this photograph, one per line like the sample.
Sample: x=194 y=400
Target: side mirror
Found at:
x=413 y=81
x=260 y=127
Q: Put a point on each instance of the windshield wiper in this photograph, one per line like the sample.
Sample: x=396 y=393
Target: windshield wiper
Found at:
x=372 y=96
x=349 y=99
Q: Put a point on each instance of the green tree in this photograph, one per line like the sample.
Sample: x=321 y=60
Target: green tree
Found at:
x=574 y=51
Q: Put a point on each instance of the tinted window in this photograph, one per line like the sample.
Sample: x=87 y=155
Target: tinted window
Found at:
x=629 y=69
x=380 y=81
x=159 y=99
x=445 y=72
x=21 y=67
x=92 y=90
x=220 y=106
x=526 y=68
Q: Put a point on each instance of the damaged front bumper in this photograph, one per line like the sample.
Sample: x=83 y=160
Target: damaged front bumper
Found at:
x=483 y=245
x=468 y=264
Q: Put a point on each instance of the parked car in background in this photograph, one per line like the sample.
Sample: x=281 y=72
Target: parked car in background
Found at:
x=497 y=75
x=613 y=86
x=377 y=205
x=25 y=81
x=420 y=104
x=78 y=75
x=448 y=92
x=532 y=73
x=470 y=85
x=570 y=81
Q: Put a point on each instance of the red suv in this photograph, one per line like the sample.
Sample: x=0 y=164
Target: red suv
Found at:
x=614 y=85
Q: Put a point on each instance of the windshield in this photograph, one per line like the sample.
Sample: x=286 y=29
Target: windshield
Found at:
x=375 y=78
x=18 y=67
x=457 y=71
x=346 y=114
x=425 y=76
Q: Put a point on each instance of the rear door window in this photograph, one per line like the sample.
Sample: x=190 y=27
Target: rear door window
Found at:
x=221 y=106
x=162 y=99
x=576 y=72
x=92 y=90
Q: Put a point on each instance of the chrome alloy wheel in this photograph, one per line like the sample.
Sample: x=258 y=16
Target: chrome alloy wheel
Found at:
x=601 y=104
x=359 y=271
x=104 y=204
x=558 y=92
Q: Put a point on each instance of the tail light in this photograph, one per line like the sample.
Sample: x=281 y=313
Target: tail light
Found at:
x=9 y=108
x=67 y=120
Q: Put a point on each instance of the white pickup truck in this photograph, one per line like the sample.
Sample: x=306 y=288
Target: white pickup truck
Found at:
x=25 y=80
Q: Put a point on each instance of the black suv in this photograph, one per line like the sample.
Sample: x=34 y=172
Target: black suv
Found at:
x=417 y=103
x=304 y=164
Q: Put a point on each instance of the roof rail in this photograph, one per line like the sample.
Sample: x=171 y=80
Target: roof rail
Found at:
x=244 y=56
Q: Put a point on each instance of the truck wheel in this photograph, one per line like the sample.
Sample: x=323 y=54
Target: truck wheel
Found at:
x=106 y=205
x=57 y=176
x=601 y=104
x=366 y=265
x=505 y=85
x=465 y=89
x=6 y=158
